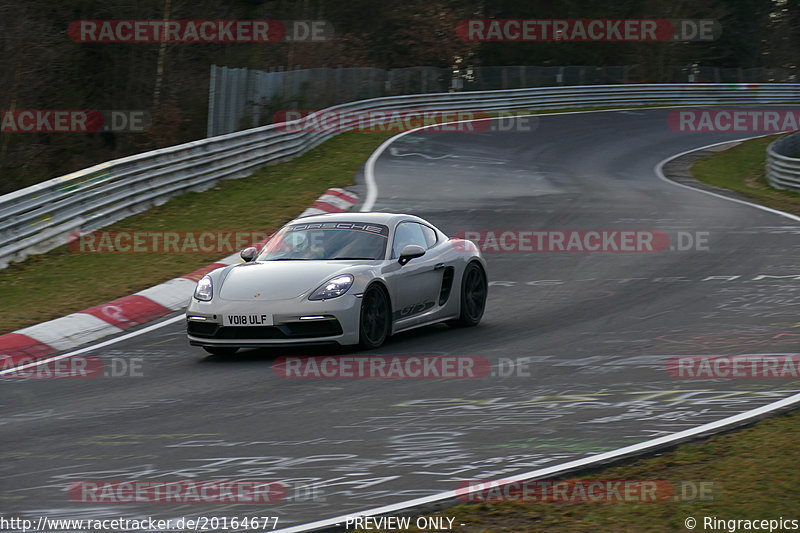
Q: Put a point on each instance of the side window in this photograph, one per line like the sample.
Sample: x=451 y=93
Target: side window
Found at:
x=430 y=235
x=405 y=234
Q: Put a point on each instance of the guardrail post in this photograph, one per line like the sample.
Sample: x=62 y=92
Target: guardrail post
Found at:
x=212 y=95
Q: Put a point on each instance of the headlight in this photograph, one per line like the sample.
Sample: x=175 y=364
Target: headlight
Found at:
x=333 y=288
x=204 y=290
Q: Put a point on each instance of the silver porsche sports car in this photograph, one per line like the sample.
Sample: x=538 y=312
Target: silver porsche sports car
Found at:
x=346 y=278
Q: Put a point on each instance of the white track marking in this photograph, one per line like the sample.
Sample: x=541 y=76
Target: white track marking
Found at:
x=659 y=170
x=369 y=166
x=634 y=449
x=96 y=346
x=712 y=427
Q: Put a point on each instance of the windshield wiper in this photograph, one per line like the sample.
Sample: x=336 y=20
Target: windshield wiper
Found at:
x=367 y=258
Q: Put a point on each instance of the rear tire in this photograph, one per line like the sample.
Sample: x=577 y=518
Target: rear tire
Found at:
x=220 y=350
x=374 y=323
x=474 y=289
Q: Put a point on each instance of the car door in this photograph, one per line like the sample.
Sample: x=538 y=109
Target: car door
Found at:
x=416 y=284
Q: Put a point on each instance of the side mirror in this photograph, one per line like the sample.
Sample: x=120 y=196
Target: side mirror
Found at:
x=249 y=253
x=409 y=252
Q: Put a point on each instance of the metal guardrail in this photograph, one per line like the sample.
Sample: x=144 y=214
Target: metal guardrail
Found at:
x=783 y=162
x=41 y=217
x=241 y=98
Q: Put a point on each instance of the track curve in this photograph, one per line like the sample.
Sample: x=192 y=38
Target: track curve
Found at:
x=595 y=331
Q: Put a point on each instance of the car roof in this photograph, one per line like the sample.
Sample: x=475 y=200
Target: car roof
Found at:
x=389 y=219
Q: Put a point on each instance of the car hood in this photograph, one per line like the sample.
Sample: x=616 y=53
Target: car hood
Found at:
x=279 y=280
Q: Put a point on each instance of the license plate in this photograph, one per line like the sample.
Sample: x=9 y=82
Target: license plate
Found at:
x=248 y=320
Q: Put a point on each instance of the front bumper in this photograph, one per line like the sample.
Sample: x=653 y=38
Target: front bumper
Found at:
x=297 y=321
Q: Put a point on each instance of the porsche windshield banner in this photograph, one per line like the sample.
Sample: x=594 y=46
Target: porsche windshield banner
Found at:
x=375 y=229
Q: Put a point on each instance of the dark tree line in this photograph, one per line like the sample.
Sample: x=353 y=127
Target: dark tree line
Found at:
x=41 y=68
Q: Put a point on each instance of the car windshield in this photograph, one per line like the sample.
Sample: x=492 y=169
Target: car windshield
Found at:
x=327 y=241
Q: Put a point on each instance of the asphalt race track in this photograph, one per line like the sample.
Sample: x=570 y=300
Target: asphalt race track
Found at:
x=579 y=344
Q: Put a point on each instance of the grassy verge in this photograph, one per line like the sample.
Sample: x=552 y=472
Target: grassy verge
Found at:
x=742 y=169
x=62 y=281
x=752 y=472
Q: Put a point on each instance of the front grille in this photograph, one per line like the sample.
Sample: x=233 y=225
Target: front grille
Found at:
x=250 y=332
x=314 y=328
x=201 y=329
x=293 y=330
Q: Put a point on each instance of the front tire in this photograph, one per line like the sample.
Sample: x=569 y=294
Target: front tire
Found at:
x=375 y=321
x=474 y=289
x=220 y=350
